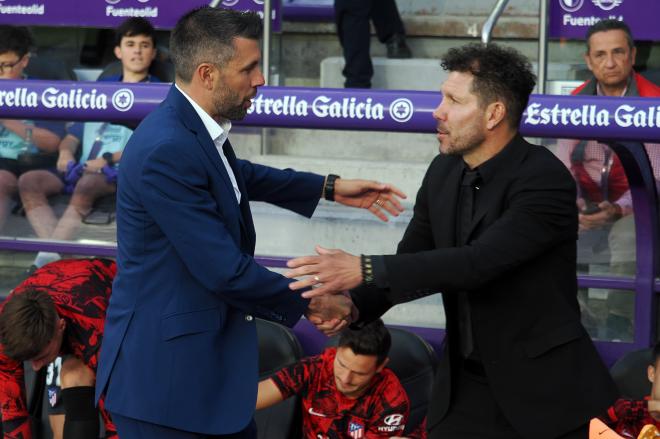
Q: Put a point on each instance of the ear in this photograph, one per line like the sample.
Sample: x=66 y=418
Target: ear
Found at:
x=25 y=61
x=650 y=373
x=117 y=52
x=494 y=114
x=206 y=72
x=382 y=365
x=61 y=324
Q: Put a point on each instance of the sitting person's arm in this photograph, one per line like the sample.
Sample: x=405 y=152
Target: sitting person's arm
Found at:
x=14 y=414
x=268 y=394
x=94 y=165
x=291 y=380
x=42 y=137
x=67 y=151
x=625 y=410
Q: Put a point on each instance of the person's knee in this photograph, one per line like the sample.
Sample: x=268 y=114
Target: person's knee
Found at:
x=75 y=373
x=7 y=183
x=31 y=187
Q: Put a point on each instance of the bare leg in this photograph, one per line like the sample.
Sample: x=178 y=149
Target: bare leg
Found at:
x=35 y=187
x=7 y=190
x=56 y=425
x=89 y=188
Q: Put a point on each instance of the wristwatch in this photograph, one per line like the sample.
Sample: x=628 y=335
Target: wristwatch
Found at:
x=107 y=156
x=329 y=188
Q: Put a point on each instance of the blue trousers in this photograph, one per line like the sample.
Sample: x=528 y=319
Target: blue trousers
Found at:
x=129 y=428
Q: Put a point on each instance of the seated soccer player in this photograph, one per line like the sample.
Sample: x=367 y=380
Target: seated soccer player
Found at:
x=58 y=310
x=92 y=175
x=628 y=417
x=24 y=144
x=346 y=392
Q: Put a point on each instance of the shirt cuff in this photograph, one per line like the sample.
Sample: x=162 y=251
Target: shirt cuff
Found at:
x=380 y=271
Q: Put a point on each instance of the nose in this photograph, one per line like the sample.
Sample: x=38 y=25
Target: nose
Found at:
x=258 y=80
x=609 y=61
x=439 y=113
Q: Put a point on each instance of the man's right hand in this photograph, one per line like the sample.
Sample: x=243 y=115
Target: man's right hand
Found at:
x=65 y=156
x=607 y=214
x=331 y=313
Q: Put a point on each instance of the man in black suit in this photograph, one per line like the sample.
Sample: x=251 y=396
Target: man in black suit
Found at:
x=494 y=229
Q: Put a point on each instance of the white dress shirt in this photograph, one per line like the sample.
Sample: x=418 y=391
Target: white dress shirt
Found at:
x=219 y=133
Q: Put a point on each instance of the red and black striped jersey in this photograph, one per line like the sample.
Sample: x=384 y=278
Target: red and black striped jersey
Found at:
x=80 y=289
x=628 y=416
x=381 y=412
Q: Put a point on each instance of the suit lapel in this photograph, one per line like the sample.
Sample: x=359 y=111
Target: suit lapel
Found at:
x=490 y=193
x=192 y=121
x=247 y=226
x=446 y=203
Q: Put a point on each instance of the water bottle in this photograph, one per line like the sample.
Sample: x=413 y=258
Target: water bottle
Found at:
x=28 y=145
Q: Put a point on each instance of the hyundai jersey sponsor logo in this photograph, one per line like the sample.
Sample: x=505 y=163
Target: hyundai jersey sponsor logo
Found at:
x=394 y=419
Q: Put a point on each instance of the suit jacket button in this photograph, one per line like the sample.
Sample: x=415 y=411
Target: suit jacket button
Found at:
x=248 y=317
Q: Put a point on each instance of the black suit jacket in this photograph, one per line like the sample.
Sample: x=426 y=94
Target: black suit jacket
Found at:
x=519 y=271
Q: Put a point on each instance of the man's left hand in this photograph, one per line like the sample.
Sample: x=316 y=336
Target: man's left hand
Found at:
x=332 y=313
x=331 y=272
x=377 y=198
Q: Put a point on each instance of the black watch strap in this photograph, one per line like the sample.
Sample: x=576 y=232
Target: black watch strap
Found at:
x=107 y=156
x=329 y=188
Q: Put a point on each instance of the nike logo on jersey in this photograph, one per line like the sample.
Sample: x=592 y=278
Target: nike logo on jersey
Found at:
x=314 y=413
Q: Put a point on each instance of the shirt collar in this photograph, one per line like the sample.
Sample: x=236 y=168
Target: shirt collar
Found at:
x=488 y=169
x=218 y=131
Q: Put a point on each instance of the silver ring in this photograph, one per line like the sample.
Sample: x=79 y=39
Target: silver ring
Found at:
x=379 y=202
x=317 y=279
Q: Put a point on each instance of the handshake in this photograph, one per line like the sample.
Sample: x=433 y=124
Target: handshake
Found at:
x=330 y=275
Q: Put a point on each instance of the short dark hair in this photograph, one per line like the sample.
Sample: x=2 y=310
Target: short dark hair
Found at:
x=656 y=354
x=135 y=26
x=27 y=324
x=500 y=73
x=373 y=339
x=17 y=39
x=610 y=24
x=207 y=35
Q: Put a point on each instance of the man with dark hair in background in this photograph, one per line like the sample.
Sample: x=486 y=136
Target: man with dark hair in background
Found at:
x=628 y=417
x=604 y=200
x=58 y=310
x=494 y=230
x=188 y=286
x=346 y=391
x=89 y=154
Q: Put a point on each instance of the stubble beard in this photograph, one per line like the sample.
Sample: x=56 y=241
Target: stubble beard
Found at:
x=465 y=144
x=226 y=107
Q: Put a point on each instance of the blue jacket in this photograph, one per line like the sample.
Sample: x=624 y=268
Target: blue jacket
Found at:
x=180 y=346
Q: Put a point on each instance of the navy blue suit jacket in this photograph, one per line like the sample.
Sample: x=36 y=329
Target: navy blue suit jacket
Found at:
x=180 y=346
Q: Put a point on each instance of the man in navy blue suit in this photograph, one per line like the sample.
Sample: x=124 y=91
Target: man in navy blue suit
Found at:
x=179 y=357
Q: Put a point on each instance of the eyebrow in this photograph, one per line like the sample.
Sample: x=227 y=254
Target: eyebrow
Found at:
x=354 y=371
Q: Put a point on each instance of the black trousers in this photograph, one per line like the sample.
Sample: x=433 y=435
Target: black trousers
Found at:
x=474 y=414
x=352 y=18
